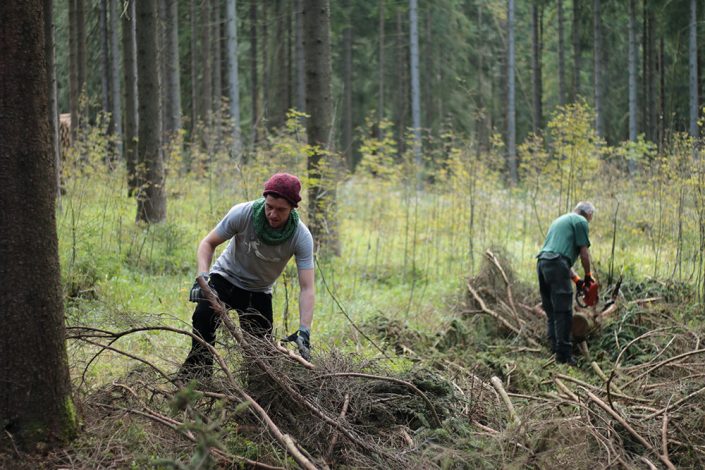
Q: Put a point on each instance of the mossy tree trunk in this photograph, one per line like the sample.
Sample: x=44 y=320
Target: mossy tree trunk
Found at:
x=36 y=410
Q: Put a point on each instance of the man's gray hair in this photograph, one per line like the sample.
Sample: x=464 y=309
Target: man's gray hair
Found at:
x=584 y=207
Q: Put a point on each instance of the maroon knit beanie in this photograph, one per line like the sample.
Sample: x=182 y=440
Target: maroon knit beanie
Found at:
x=284 y=185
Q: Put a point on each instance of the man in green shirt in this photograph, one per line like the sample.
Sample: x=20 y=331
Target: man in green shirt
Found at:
x=566 y=241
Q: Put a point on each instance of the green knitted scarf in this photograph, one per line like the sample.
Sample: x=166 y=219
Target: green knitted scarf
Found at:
x=265 y=232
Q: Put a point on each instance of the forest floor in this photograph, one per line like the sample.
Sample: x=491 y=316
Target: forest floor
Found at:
x=482 y=392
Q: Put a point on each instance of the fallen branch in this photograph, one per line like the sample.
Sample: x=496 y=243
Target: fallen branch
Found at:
x=334 y=439
x=493 y=259
x=672 y=406
x=492 y=313
x=503 y=393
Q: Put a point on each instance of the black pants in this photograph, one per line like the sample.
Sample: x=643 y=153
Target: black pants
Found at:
x=557 y=300
x=253 y=308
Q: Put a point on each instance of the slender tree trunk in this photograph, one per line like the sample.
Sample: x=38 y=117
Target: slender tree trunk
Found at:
x=481 y=113
x=321 y=192
x=172 y=80
x=151 y=198
x=536 y=43
x=632 y=65
x=403 y=84
x=661 y=97
x=206 y=113
x=35 y=392
x=233 y=76
x=577 y=50
x=693 y=68
x=129 y=50
x=597 y=72
x=264 y=48
x=104 y=57
x=77 y=40
x=116 y=92
x=415 y=85
x=216 y=47
x=300 y=58
x=347 y=86
x=380 y=88
x=511 y=94
x=195 y=104
x=561 y=52
x=253 y=73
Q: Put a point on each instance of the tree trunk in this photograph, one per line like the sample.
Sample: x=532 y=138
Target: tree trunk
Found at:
x=264 y=48
x=36 y=407
x=402 y=85
x=254 y=91
x=151 y=198
x=380 y=88
x=561 y=52
x=481 y=113
x=693 y=68
x=116 y=108
x=300 y=58
x=661 y=131
x=216 y=47
x=577 y=49
x=597 y=72
x=53 y=115
x=195 y=104
x=321 y=192
x=233 y=76
x=129 y=51
x=632 y=65
x=172 y=80
x=415 y=85
x=77 y=59
x=511 y=94
x=278 y=105
x=347 y=86
x=536 y=46
x=206 y=109
x=104 y=57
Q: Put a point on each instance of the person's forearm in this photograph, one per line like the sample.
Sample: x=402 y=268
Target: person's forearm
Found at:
x=306 y=301
x=204 y=256
x=585 y=260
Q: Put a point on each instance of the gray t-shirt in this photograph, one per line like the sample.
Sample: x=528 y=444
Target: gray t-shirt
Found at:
x=249 y=263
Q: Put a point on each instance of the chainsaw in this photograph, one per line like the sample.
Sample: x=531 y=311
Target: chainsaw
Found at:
x=588 y=296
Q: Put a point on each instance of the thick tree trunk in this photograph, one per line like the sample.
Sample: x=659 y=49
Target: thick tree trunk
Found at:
x=116 y=92
x=693 y=68
x=415 y=85
x=151 y=198
x=347 y=87
x=172 y=80
x=537 y=46
x=511 y=97
x=53 y=115
x=233 y=76
x=632 y=65
x=561 y=52
x=321 y=169
x=597 y=69
x=36 y=408
x=129 y=51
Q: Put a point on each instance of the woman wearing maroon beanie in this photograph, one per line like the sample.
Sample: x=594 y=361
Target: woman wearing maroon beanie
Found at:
x=264 y=234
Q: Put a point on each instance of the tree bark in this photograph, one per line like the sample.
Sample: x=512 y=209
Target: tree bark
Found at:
x=195 y=104
x=402 y=84
x=536 y=46
x=216 y=48
x=36 y=407
x=104 y=57
x=380 y=87
x=347 y=86
x=511 y=97
x=77 y=59
x=116 y=92
x=300 y=58
x=233 y=76
x=53 y=115
x=264 y=48
x=206 y=108
x=129 y=51
x=632 y=65
x=172 y=80
x=693 y=68
x=577 y=49
x=415 y=85
x=151 y=198
x=254 y=91
x=321 y=169
x=561 y=52
x=597 y=70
